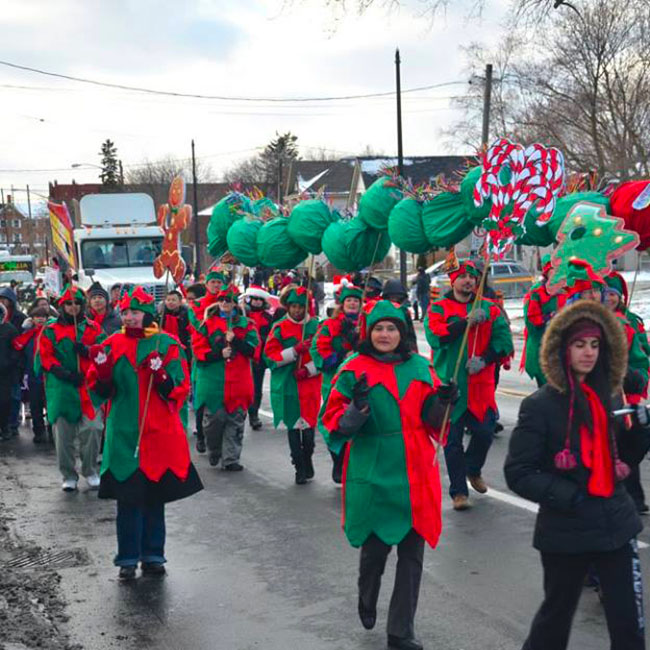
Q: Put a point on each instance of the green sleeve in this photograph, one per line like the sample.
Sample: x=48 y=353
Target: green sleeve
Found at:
x=501 y=340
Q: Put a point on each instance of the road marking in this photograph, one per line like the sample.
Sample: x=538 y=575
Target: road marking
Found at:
x=504 y=497
x=518 y=502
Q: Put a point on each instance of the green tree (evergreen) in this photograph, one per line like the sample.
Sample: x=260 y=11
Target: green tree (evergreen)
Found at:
x=110 y=175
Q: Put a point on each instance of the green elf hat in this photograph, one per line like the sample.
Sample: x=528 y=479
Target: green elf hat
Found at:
x=582 y=277
x=383 y=310
x=348 y=291
x=72 y=293
x=138 y=299
x=215 y=273
x=229 y=292
x=616 y=282
x=464 y=267
x=297 y=295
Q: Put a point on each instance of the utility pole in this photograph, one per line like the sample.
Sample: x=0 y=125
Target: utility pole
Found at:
x=487 y=101
x=121 y=173
x=400 y=153
x=195 y=209
x=280 y=179
x=29 y=204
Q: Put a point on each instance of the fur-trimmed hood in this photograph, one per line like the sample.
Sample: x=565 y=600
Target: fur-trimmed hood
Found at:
x=616 y=349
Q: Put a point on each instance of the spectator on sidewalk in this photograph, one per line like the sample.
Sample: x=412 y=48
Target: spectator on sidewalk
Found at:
x=8 y=370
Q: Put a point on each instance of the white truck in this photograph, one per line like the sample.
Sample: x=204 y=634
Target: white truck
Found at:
x=118 y=241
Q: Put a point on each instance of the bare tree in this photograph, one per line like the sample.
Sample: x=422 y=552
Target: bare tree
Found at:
x=587 y=91
x=154 y=177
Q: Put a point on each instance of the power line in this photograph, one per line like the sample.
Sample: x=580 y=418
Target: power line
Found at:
x=152 y=91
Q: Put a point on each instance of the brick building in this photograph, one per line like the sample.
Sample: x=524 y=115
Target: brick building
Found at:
x=24 y=235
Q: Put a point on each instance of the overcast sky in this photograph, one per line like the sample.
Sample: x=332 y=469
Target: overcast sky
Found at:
x=243 y=48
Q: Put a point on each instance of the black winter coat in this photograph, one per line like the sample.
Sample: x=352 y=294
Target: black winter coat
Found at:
x=10 y=367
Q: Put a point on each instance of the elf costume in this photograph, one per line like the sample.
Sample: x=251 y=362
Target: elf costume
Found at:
x=489 y=340
x=256 y=302
x=384 y=404
x=539 y=307
x=224 y=384
x=143 y=375
x=295 y=381
x=63 y=357
x=335 y=339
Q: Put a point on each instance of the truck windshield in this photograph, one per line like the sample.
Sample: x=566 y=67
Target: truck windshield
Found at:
x=117 y=253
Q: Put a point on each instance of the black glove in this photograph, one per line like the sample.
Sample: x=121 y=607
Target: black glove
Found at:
x=71 y=376
x=634 y=383
x=165 y=387
x=240 y=345
x=448 y=393
x=360 y=393
x=81 y=350
x=349 y=332
x=216 y=353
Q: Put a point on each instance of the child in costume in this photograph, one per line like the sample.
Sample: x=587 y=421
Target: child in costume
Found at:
x=539 y=307
x=143 y=375
x=295 y=380
x=337 y=337
x=489 y=340
x=389 y=405
x=256 y=305
x=224 y=345
x=174 y=319
x=64 y=358
x=26 y=344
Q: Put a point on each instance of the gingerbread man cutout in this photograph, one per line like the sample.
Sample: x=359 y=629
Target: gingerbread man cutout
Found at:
x=173 y=218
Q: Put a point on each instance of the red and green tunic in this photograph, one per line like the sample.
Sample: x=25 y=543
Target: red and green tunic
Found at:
x=539 y=307
x=222 y=384
x=160 y=471
x=491 y=340
x=391 y=480
x=637 y=359
x=295 y=402
x=639 y=327
x=56 y=348
x=328 y=350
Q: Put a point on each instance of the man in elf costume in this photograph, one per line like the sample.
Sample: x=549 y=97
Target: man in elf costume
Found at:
x=64 y=358
x=224 y=345
x=143 y=375
x=256 y=305
x=539 y=307
x=295 y=380
x=335 y=339
x=489 y=339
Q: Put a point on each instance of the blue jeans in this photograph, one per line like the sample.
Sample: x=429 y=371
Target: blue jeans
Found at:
x=140 y=534
x=462 y=463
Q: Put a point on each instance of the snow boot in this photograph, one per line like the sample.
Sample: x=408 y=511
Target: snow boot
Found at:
x=297 y=455
x=308 y=452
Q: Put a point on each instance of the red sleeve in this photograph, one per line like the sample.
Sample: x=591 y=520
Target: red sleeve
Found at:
x=20 y=342
x=46 y=352
x=534 y=314
x=200 y=343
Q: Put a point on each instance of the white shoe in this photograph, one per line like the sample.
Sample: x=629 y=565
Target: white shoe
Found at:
x=69 y=485
x=93 y=481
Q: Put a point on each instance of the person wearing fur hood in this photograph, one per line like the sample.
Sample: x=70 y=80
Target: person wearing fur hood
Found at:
x=569 y=454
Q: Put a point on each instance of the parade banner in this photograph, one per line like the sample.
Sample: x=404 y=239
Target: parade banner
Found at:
x=61 y=226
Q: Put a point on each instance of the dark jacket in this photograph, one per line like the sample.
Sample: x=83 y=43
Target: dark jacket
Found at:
x=183 y=321
x=9 y=358
x=570 y=520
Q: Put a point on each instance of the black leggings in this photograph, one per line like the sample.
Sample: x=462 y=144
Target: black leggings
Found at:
x=620 y=579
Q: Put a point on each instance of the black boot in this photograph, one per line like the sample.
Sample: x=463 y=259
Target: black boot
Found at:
x=200 y=443
x=308 y=452
x=297 y=457
x=337 y=466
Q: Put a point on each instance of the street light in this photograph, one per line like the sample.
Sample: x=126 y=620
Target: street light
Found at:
x=77 y=165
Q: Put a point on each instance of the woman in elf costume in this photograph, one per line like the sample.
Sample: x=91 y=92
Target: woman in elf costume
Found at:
x=224 y=344
x=335 y=339
x=389 y=404
x=63 y=357
x=295 y=380
x=143 y=375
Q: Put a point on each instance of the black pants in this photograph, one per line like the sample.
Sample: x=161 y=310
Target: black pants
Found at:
x=620 y=578
x=5 y=407
x=198 y=416
x=634 y=487
x=36 y=407
x=404 y=601
x=301 y=446
x=258 y=382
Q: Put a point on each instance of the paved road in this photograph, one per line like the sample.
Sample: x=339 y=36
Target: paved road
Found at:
x=257 y=562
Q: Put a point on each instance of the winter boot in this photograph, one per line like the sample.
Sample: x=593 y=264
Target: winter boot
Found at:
x=337 y=466
x=308 y=452
x=254 y=419
x=200 y=442
x=297 y=457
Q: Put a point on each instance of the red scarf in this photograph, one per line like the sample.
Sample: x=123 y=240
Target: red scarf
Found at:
x=595 y=449
x=98 y=318
x=170 y=324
